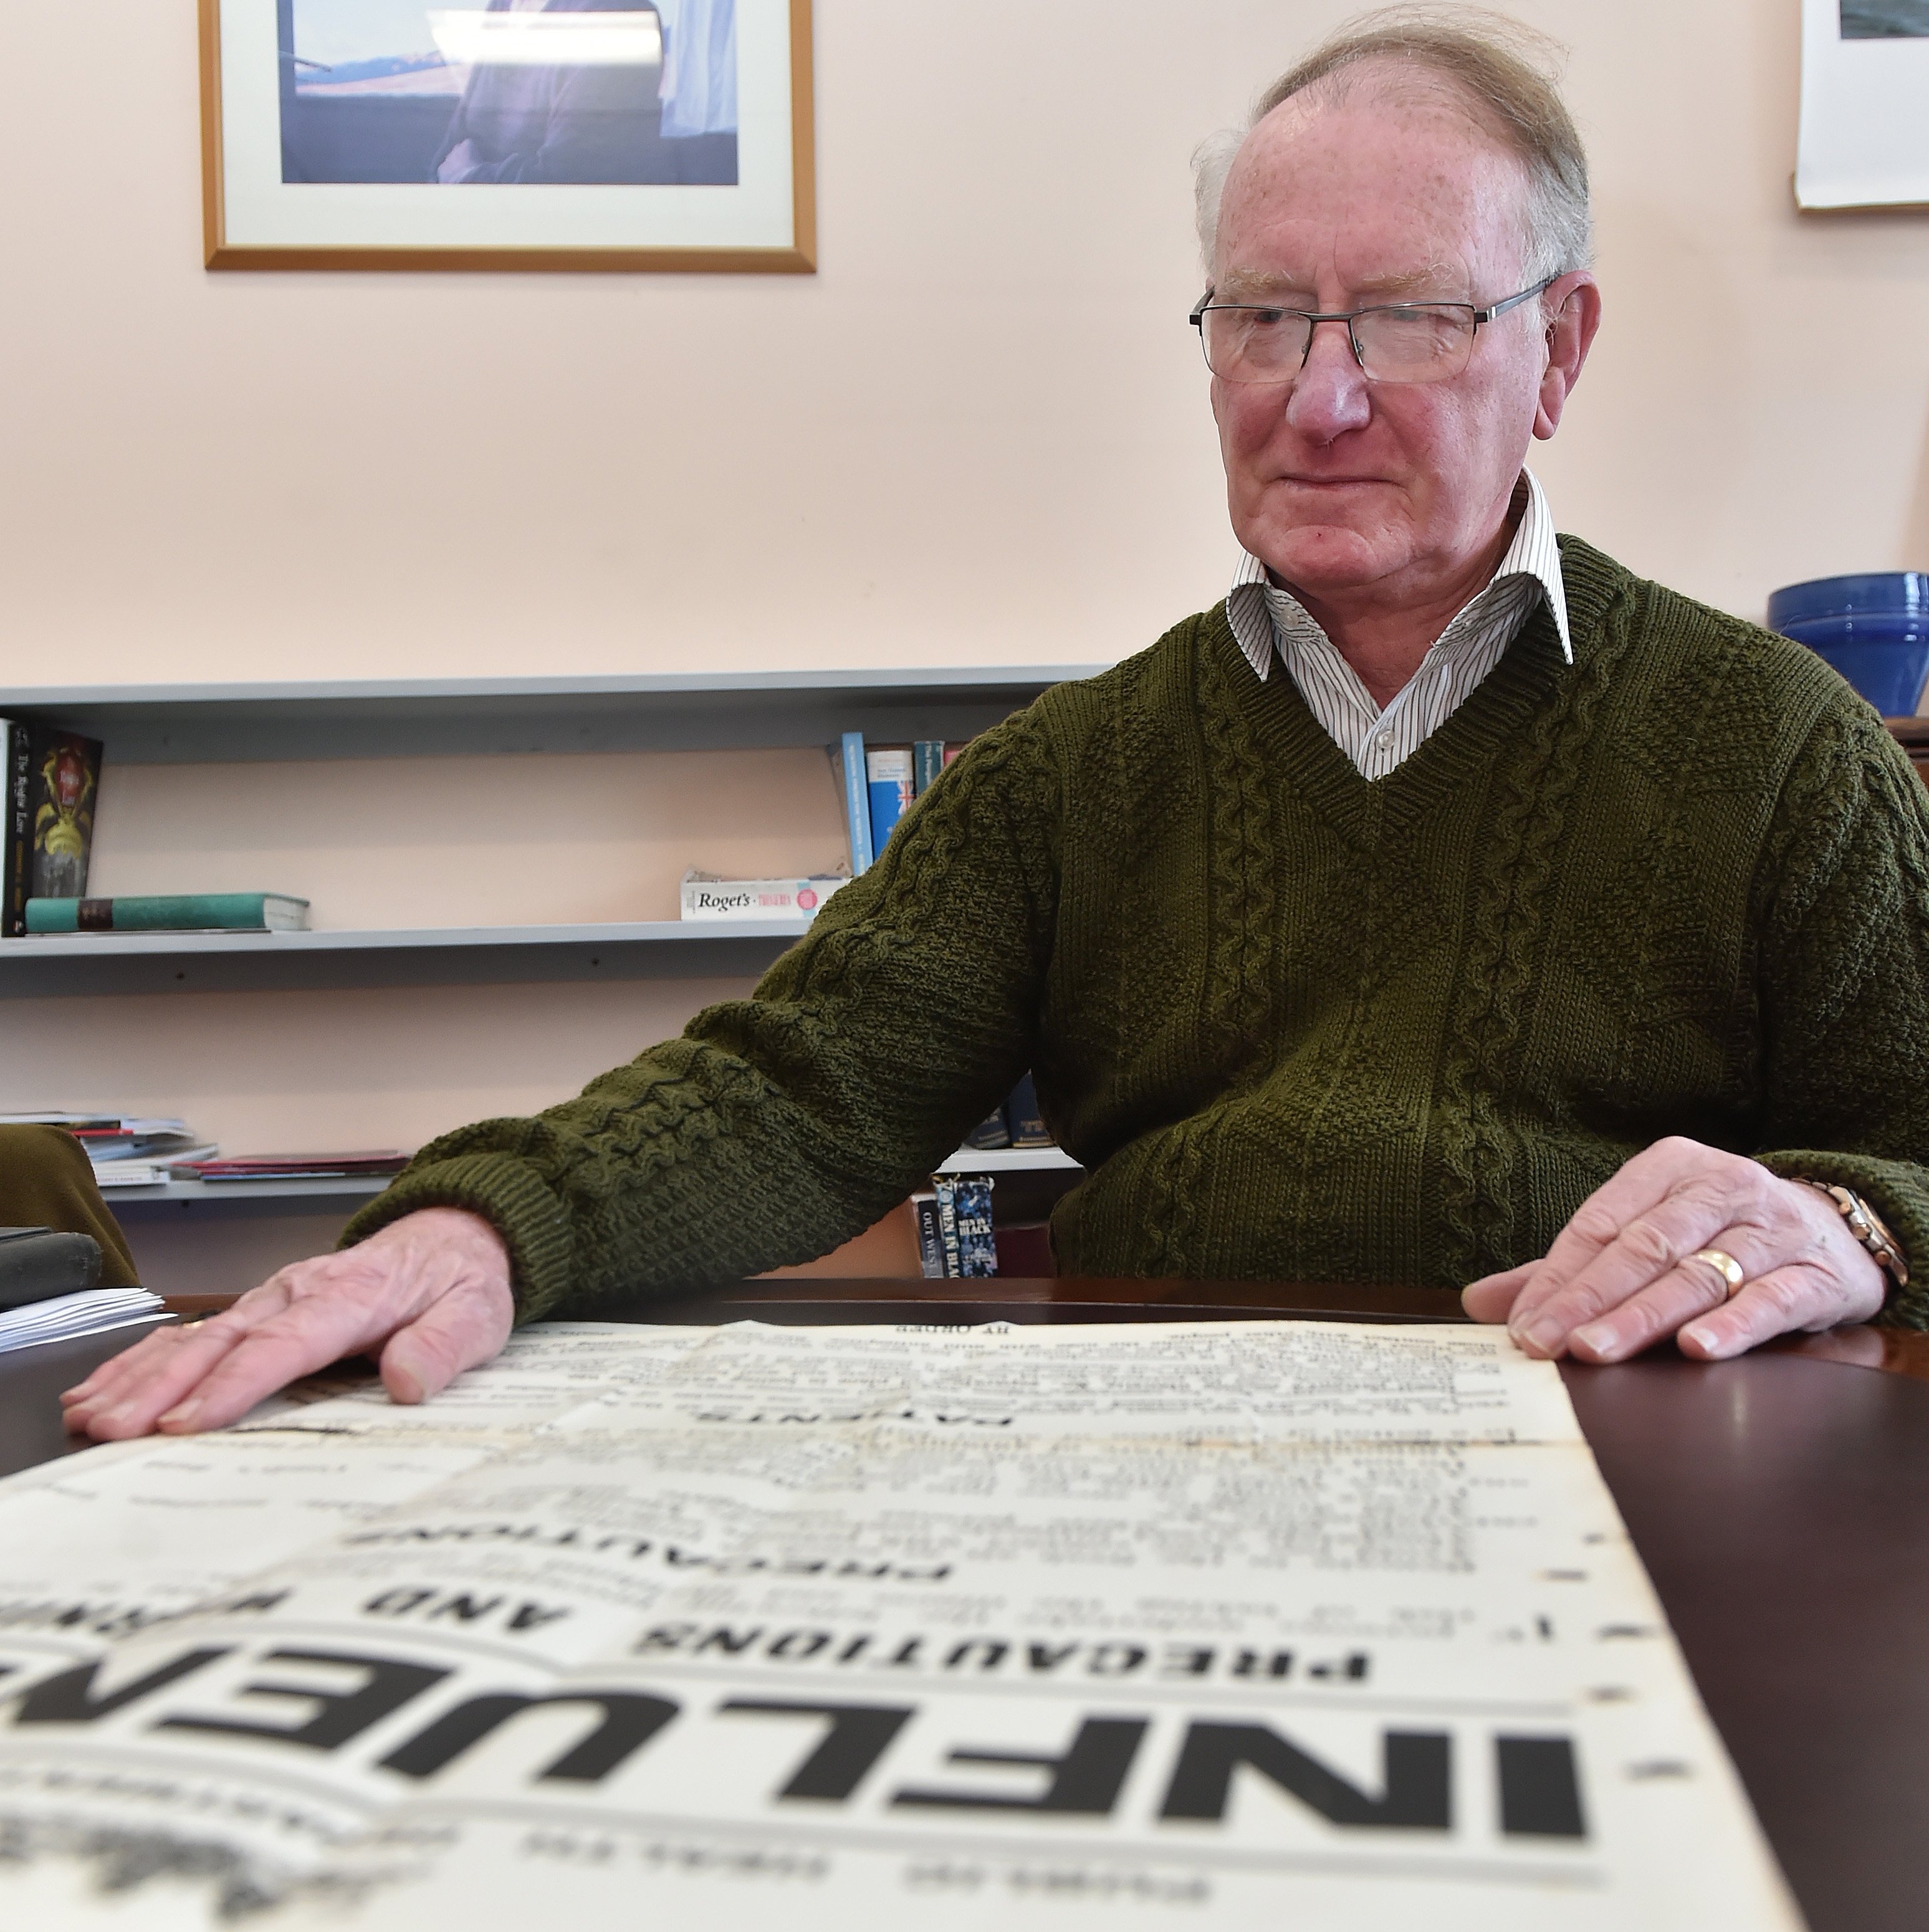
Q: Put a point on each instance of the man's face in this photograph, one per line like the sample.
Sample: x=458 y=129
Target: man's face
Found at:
x=1349 y=489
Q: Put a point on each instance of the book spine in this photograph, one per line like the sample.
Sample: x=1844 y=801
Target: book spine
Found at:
x=857 y=801
x=944 y=1190
x=888 y=775
x=927 y=761
x=991 y=1133
x=17 y=864
x=1027 y=1125
x=971 y=1211
x=930 y=1239
x=186 y=912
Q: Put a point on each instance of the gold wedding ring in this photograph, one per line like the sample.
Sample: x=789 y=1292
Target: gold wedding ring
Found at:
x=1725 y=1265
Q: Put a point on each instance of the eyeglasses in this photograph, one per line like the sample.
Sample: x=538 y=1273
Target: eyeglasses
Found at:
x=1396 y=342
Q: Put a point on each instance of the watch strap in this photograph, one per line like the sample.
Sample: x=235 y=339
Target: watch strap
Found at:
x=1866 y=1225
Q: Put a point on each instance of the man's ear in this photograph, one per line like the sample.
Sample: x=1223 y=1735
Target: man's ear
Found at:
x=1574 y=301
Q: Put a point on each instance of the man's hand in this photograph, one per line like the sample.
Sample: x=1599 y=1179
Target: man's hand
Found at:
x=1621 y=1274
x=431 y=1291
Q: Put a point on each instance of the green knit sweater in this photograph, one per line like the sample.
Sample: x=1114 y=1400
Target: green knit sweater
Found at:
x=1298 y=1024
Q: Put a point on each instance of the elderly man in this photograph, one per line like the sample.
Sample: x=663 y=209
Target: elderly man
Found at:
x=1446 y=906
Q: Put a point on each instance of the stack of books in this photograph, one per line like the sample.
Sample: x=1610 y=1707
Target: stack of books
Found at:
x=126 y=1150
x=878 y=785
x=52 y=780
x=1016 y=1123
x=955 y=1235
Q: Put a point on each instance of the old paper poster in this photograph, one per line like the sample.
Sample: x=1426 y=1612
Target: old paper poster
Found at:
x=1238 y=1626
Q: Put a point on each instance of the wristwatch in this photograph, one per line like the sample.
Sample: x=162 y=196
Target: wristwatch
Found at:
x=1867 y=1226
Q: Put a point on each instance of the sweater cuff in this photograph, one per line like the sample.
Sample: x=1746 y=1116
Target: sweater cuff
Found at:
x=508 y=1194
x=1894 y=1189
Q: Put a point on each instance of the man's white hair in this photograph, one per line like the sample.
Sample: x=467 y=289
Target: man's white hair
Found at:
x=1504 y=73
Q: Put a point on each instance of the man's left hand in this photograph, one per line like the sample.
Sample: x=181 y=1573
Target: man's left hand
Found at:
x=1621 y=1275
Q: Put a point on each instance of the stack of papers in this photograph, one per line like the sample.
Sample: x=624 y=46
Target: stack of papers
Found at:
x=137 y=1173
x=63 y=1316
x=128 y=1150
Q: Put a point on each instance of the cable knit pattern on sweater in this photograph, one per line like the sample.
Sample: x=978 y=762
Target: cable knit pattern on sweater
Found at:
x=1299 y=1024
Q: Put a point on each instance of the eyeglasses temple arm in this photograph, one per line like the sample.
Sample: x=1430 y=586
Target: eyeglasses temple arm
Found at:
x=1514 y=301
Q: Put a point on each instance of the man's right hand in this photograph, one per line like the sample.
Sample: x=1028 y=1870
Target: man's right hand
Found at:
x=430 y=1291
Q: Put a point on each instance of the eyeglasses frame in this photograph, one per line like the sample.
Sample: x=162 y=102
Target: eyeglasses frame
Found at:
x=1349 y=317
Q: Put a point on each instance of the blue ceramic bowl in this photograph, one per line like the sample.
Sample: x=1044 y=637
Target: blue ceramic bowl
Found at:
x=1874 y=630
x=1904 y=592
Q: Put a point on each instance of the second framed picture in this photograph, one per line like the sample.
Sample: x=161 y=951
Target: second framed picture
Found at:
x=617 y=134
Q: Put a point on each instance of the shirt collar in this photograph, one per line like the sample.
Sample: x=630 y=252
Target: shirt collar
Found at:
x=1534 y=554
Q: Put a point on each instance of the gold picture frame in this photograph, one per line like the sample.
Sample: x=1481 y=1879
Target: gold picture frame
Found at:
x=768 y=226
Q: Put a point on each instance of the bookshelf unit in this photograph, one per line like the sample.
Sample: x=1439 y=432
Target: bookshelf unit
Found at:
x=251 y=723
x=255 y=723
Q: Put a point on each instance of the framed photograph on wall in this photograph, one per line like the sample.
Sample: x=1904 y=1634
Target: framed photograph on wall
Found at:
x=1864 y=140
x=520 y=134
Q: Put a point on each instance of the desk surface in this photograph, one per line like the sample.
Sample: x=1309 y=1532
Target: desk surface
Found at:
x=1774 y=1500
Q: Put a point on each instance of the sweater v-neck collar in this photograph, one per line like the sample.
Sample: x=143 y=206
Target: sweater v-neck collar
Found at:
x=1530 y=677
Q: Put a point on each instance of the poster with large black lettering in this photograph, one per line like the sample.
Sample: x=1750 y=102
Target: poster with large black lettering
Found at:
x=1275 y=1624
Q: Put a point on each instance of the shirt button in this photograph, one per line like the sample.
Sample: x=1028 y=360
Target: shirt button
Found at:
x=1385 y=740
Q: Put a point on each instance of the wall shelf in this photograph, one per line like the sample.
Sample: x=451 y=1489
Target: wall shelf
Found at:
x=248 y=1193
x=256 y=1195
x=190 y=724
x=200 y=962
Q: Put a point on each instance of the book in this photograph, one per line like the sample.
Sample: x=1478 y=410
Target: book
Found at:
x=51 y=777
x=930 y=1237
x=296 y=1166
x=16 y=857
x=927 y=761
x=36 y=1264
x=990 y=1133
x=888 y=770
x=1027 y=1125
x=965 y=1223
x=847 y=758
x=170 y=912
x=705 y=896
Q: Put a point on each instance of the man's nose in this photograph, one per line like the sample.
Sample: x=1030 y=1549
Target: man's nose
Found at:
x=1329 y=395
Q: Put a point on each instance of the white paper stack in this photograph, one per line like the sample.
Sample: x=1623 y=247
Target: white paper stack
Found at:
x=63 y=1316
x=126 y=1150
x=147 y=1173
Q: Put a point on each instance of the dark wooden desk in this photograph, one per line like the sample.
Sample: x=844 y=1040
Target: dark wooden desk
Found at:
x=1775 y=1500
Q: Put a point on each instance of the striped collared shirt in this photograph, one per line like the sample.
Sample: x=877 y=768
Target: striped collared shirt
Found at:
x=1266 y=619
